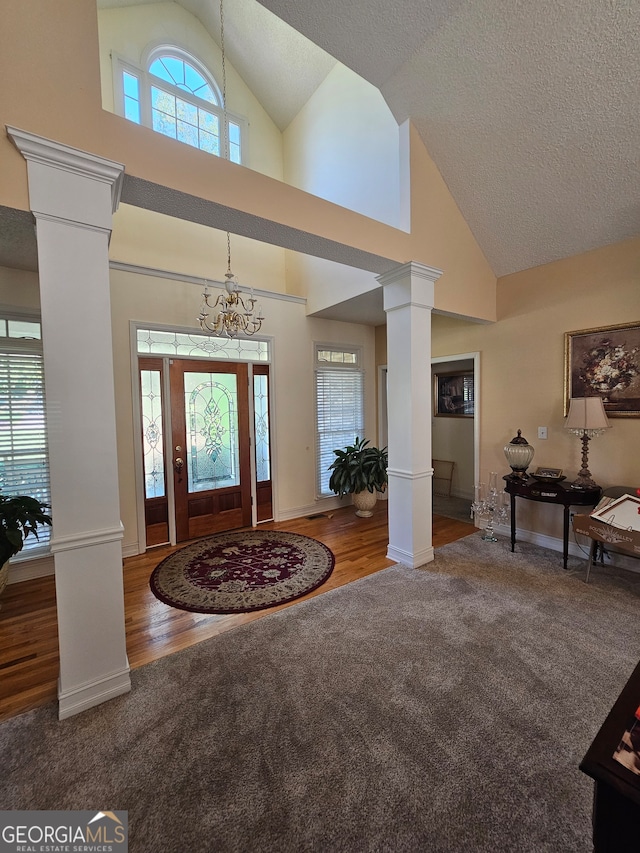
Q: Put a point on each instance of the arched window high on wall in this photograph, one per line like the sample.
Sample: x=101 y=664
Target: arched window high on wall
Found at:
x=177 y=96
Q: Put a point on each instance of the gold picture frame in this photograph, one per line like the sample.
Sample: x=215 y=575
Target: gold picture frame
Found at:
x=604 y=362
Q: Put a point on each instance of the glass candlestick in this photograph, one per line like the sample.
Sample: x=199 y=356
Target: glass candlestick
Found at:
x=490 y=503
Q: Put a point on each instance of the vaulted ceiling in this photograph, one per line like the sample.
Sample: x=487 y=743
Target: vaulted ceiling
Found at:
x=530 y=109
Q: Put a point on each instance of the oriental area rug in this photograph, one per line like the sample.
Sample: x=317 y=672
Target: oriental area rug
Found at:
x=240 y=571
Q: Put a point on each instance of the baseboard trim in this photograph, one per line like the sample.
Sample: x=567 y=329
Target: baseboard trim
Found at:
x=414 y=561
x=43 y=567
x=27 y=570
x=131 y=550
x=79 y=699
x=544 y=541
x=322 y=505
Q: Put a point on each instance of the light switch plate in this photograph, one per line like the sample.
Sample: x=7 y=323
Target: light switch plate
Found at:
x=542 y=432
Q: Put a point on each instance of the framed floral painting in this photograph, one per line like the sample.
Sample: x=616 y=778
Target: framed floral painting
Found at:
x=604 y=362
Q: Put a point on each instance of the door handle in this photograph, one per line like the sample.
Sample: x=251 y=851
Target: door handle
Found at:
x=178 y=464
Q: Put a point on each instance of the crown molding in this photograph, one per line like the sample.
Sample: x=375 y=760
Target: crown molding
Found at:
x=137 y=269
x=38 y=149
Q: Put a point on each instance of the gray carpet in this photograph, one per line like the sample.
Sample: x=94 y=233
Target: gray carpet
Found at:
x=439 y=709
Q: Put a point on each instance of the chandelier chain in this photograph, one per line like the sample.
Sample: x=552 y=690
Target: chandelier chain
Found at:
x=229 y=313
x=224 y=83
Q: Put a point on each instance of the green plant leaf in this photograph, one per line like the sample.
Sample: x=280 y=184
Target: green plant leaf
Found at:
x=358 y=467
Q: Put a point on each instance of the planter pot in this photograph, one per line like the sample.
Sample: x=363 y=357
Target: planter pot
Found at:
x=4 y=576
x=364 y=503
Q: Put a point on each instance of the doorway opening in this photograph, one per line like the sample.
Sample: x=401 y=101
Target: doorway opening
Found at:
x=456 y=441
x=455 y=436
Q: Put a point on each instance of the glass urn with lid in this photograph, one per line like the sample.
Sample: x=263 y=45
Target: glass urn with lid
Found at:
x=519 y=454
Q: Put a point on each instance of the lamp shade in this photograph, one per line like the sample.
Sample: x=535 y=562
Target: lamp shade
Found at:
x=586 y=414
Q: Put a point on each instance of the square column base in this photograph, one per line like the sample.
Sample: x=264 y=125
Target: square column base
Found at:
x=410 y=518
x=93 y=693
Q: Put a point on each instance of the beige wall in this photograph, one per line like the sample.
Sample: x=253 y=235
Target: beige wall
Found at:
x=441 y=238
x=344 y=146
x=332 y=155
x=165 y=243
x=174 y=303
x=522 y=366
x=52 y=87
x=130 y=31
x=325 y=283
x=19 y=289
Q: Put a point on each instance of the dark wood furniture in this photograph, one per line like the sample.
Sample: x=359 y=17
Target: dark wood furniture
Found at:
x=551 y=493
x=616 y=800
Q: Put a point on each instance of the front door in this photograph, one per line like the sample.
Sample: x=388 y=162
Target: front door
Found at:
x=207 y=461
x=211 y=447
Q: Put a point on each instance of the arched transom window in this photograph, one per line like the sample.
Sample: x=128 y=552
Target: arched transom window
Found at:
x=178 y=97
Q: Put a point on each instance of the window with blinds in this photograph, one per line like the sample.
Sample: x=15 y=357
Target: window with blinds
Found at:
x=339 y=406
x=24 y=462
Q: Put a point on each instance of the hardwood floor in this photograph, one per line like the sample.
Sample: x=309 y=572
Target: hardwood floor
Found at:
x=28 y=621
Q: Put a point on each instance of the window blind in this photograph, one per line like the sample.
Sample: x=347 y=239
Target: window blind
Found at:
x=340 y=416
x=24 y=463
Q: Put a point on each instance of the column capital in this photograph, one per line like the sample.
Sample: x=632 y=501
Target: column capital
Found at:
x=39 y=151
x=411 y=284
x=412 y=269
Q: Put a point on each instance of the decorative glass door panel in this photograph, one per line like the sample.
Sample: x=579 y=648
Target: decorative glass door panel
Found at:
x=262 y=441
x=211 y=416
x=152 y=433
x=156 y=509
x=210 y=436
x=261 y=404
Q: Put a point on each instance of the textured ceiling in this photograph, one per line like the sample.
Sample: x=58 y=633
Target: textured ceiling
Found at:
x=280 y=65
x=530 y=109
x=18 y=245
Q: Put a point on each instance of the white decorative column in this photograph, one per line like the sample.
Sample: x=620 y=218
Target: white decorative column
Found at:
x=408 y=302
x=73 y=195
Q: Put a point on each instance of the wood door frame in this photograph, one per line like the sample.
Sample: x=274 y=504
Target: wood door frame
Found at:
x=141 y=546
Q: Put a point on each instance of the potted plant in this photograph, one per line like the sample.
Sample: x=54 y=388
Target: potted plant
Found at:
x=361 y=471
x=20 y=515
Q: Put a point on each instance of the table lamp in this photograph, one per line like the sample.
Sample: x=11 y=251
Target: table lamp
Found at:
x=586 y=418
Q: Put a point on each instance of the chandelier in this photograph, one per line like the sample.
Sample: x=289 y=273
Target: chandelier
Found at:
x=231 y=315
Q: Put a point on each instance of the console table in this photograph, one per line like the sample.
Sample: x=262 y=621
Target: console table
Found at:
x=550 y=493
